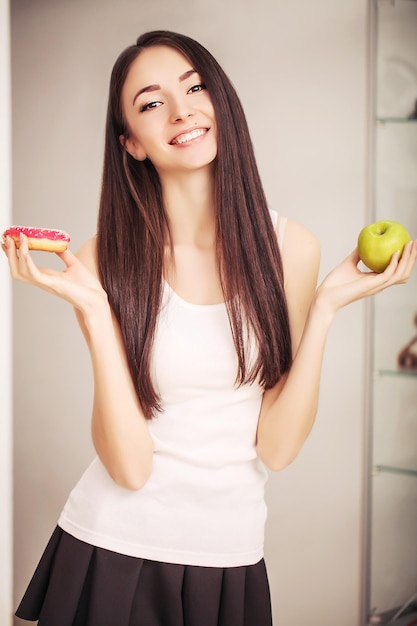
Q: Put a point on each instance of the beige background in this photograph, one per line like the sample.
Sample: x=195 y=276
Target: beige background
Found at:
x=301 y=71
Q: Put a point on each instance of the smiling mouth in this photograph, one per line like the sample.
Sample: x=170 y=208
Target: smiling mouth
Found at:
x=185 y=137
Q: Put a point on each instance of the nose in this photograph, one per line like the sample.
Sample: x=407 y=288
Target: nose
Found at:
x=181 y=109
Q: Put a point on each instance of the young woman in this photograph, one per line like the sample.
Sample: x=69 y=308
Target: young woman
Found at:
x=200 y=310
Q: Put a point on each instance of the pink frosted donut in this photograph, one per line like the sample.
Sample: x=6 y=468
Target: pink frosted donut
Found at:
x=45 y=239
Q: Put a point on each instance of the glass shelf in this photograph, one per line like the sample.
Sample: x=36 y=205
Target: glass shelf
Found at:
x=393 y=3
x=396 y=120
x=396 y=373
x=391 y=469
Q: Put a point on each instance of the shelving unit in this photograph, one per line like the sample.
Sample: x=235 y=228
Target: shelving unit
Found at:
x=392 y=532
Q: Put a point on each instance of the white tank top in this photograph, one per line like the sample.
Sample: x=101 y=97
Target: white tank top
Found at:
x=204 y=501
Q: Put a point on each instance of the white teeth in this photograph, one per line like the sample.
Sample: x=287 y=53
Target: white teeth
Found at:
x=189 y=136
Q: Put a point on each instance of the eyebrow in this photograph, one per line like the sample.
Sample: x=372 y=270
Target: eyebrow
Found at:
x=155 y=87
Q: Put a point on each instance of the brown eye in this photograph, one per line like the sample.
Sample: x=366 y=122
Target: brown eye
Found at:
x=150 y=105
x=196 y=88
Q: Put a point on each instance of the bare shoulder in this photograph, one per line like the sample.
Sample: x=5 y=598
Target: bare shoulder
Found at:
x=300 y=250
x=87 y=254
x=298 y=238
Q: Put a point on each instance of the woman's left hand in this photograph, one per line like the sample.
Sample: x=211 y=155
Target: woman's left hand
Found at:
x=346 y=283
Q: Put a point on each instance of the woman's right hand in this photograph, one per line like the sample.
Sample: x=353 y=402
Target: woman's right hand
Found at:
x=75 y=284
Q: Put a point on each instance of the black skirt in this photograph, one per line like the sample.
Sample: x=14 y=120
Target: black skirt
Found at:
x=76 y=584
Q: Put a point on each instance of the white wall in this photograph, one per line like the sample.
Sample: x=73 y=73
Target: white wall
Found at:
x=5 y=328
x=300 y=69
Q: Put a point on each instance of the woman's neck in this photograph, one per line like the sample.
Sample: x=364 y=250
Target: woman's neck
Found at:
x=189 y=203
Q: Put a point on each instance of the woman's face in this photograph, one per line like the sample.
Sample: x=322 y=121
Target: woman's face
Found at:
x=169 y=113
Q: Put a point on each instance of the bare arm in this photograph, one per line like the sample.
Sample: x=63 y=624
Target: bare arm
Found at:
x=119 y=430
x=289 y=409
x=120 y=433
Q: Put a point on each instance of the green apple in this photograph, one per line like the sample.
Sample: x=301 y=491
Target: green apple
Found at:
x=379 y=241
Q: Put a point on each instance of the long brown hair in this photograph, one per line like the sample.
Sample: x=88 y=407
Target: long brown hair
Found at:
x=132 y=225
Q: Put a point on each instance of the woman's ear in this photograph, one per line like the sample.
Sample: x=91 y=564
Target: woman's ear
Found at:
x=133 y=148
